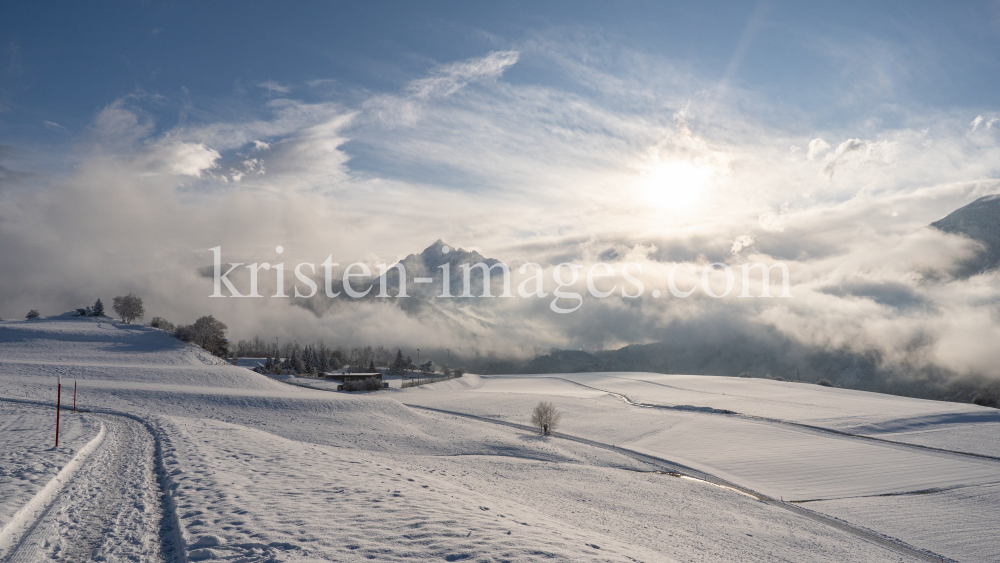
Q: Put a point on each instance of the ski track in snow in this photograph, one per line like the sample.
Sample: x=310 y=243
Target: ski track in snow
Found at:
x=109 y=508
x=28 y=461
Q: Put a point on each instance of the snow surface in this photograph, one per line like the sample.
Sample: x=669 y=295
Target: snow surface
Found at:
x=28 y=458
x=215 y=462
x=964 y=519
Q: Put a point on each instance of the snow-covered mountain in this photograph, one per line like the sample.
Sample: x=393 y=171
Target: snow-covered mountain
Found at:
x=980 y=221
x=428 y=265
x=466 y=318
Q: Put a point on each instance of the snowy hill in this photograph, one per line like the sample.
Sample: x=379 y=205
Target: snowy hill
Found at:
x=84 y=339
x=105 y=352
x=177 y=458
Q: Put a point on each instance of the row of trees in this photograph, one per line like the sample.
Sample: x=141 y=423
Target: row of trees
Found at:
x=292 y=357
x=316 y=359
x=309 y=360
x=129 y=308
x=258 y=348
x=207 y=332
x=96 y=311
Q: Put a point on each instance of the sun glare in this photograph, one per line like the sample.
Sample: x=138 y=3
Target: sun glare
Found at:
x=676 y=184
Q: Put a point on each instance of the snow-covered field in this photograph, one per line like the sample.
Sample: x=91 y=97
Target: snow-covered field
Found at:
x=183 y=458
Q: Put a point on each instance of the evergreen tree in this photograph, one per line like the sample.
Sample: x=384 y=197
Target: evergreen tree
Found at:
x=307 y=363
x=98 y=309
x=371 y=367
x=399 y=364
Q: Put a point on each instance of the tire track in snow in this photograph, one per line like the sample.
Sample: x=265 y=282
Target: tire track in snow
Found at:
x=112 y=507
x=681 y=470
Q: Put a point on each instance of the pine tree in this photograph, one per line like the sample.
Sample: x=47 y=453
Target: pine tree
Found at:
x=98 y=309
x=371 y=367
x=399 y=364
x=267 y=364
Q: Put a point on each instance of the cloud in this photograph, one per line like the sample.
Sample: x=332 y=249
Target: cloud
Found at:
x=741 y=242
x=977 y=122
x=51 y=125
x=816 y=148
x=249 y=166
x=183 y=159
x=856 y=153
x=771 y=222
x=442 y=82
x=273 y=87
x=9 y=176
x=448 y=79
x=980 y=120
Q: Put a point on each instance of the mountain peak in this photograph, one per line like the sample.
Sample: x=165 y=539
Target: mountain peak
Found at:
x=436 y=247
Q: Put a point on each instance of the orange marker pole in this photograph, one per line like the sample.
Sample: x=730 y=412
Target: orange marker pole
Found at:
x=58 y=408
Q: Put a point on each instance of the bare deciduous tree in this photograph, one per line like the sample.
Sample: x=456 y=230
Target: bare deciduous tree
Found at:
x=207 y=332
x=545 y=417
x=128 y=307
x=161 y=323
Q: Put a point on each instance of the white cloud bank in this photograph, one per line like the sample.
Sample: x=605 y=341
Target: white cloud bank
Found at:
x=525 y=173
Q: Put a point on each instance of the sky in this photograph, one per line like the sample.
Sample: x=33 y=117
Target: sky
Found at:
x=136 y=136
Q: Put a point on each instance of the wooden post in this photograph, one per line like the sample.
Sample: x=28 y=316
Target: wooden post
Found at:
x=58 y=407
x=74 y=395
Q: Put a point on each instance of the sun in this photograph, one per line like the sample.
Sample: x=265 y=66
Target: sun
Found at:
x=676 y=184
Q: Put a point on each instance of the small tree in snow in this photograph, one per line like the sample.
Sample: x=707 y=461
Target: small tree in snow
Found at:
x=545 y=417
x=398 y=366
x=207 y=332
x=32 y=314
x=161 y=323
x=128 y=307
x=98 y=309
